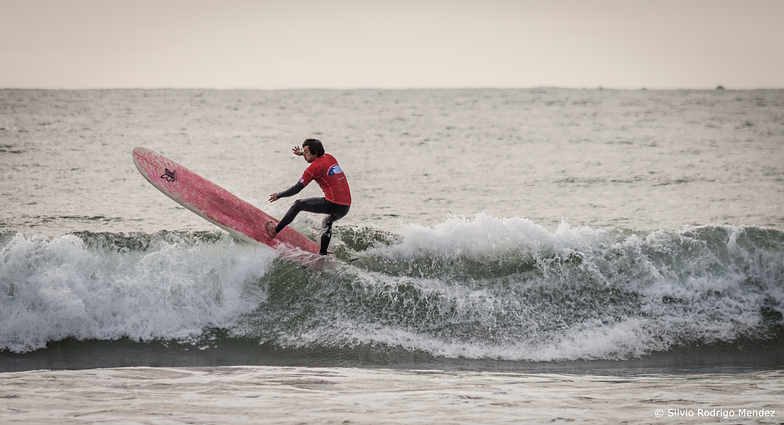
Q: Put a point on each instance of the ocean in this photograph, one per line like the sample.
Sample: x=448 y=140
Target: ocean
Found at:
x=511 y=255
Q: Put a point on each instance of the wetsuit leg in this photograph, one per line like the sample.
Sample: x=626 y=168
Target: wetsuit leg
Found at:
x=320 y=206
x=326 y=226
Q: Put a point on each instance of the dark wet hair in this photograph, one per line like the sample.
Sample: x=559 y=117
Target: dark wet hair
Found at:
x=314 y=146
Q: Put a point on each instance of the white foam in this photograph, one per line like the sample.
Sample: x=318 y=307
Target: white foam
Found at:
x=486 y=236
x=58 y=288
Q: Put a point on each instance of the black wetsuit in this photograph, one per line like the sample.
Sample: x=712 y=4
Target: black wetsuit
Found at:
x=315 y=205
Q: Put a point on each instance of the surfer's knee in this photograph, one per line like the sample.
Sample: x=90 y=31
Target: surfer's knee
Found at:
x=297 y=205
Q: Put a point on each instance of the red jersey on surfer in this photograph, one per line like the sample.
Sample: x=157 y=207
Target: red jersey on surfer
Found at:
x=324 y=169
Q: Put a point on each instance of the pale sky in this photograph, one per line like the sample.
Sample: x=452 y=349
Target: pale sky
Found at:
x=335 y=44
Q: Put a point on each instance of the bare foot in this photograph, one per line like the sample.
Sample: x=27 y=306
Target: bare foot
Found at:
x=271 y=230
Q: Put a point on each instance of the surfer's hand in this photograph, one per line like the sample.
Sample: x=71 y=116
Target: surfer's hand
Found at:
x=297 y=150
x=273 y=197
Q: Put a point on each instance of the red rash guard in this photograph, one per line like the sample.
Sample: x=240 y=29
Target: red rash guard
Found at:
x=330 y=178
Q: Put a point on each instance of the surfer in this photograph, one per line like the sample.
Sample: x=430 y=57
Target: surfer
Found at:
x=324 y=169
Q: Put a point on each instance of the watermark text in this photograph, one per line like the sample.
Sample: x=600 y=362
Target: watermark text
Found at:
x=715 y=413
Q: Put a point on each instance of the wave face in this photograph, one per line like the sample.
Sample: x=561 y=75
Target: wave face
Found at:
x=478 y=288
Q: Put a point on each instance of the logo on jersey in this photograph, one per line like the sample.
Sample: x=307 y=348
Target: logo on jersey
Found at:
x=335 y=169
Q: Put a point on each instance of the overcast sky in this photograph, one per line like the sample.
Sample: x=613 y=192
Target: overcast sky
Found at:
x=391 y=44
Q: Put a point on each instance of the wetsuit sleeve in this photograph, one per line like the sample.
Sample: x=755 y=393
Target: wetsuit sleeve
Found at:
x=293 y=190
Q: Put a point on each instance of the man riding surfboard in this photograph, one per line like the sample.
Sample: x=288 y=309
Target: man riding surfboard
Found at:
x=326 y=171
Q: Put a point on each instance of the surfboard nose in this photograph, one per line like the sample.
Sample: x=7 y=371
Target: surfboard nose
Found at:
x=139 y=151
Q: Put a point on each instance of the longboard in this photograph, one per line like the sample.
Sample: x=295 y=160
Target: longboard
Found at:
x=223 y=209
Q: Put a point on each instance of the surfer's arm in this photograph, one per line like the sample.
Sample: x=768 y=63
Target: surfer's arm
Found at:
x=293 y=190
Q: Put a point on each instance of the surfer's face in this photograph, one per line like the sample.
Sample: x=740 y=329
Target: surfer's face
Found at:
x=309 y=157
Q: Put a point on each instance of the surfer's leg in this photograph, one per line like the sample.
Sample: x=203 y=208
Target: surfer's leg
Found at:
x=337 y=212
x=314 y=205
x=326 y=232
x=319 y=206
x=296 y=207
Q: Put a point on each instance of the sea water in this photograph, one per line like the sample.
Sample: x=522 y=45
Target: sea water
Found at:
x=523 y=237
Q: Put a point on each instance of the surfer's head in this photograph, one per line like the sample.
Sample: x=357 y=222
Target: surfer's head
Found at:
x=314 y=146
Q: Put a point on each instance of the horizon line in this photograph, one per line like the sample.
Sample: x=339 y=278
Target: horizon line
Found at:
x=718 y=87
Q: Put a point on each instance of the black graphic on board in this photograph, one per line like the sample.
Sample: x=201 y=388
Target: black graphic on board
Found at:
x=169 y=176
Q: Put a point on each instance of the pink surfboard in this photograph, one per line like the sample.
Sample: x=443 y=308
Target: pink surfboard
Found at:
x=221 y=208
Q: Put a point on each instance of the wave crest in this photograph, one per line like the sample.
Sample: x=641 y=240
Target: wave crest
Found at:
x=480 y=288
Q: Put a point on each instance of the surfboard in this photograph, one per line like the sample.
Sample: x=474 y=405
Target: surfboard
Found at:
x=223 y=209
